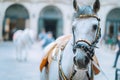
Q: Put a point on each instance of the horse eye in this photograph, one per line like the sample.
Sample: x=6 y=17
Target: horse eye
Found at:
x=95 y=27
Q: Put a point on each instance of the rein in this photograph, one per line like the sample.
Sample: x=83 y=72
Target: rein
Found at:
x=62 y=76
x=61 y=73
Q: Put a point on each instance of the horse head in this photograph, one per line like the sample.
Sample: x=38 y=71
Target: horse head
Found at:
x=86 y=33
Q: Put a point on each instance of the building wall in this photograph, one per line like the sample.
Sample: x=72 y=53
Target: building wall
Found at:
x=34 y=10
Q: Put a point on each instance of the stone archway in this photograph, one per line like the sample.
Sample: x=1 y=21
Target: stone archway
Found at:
x=15 y=18
x=112 y=26
x=51 y=19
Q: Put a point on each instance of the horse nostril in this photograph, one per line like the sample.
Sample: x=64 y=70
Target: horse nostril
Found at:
x=94 y=27
x=74 y=60
x=86 y=60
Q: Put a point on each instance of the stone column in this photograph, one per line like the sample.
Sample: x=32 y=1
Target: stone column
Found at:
x=67 y=23
x=34 y=18
x=2 y=13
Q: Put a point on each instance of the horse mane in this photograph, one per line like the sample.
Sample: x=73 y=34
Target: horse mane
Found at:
x=84 y=10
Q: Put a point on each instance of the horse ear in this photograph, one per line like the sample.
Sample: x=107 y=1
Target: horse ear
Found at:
x=75 y=5
x=96 y=6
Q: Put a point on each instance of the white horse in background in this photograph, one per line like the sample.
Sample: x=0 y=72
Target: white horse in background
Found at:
x=23 y=40
x=75 y=60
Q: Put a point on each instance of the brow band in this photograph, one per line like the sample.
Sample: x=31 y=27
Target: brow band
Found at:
x=87 y=16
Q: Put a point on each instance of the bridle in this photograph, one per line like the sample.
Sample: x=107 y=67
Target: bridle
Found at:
x=88 y=48
x=91 y=46
x=98 y=33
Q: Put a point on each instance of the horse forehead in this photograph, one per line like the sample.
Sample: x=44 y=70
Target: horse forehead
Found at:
x=88 y=21
x=84 y=22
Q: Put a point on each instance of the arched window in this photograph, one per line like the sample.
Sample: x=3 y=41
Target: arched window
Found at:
x=52 y=20
x=17 y=16
x=112 y=25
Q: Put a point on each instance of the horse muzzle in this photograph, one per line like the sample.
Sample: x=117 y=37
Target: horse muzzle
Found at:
x=81 y=63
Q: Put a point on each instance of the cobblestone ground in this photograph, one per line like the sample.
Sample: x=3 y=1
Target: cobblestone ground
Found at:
x=11 y=69
x=106 y=58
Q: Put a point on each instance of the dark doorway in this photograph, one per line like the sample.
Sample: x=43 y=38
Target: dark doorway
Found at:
x=50 y=25
x=15 y=19
x=112 y=26
x=51 y=19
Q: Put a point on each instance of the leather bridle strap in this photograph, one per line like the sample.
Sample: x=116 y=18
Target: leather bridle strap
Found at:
x=89 y=50
x=98 y=33
x=61 y=73
x=87 y=16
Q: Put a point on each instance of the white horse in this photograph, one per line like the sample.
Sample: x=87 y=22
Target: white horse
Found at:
x=23 y=40
x=75 y=60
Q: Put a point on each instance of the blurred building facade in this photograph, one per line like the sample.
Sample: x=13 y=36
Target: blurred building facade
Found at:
x=55 y=16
